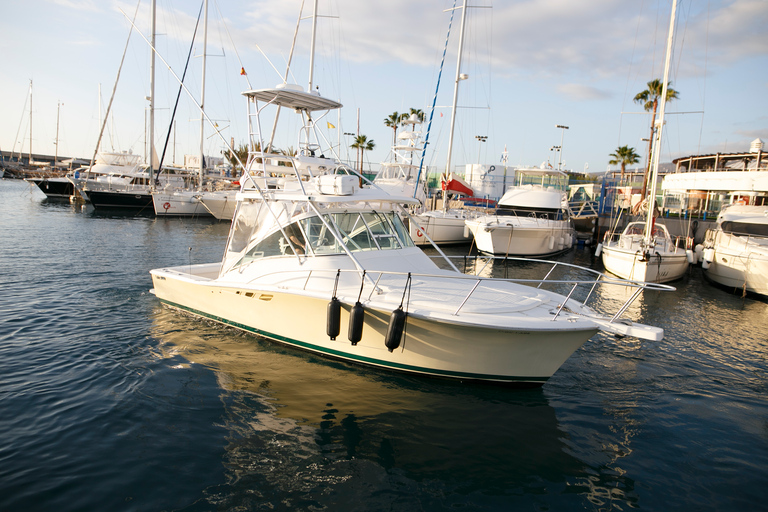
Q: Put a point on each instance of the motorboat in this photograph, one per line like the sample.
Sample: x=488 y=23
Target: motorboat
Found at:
x=735 y=253
x=645 y=251
x=312 y=255
x=531 y=219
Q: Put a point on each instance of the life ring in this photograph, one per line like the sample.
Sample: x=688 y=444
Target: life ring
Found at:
x=419 y=233
x=166 y=205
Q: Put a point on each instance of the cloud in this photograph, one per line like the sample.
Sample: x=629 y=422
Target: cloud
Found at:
x=78 y=5
x=581 y=92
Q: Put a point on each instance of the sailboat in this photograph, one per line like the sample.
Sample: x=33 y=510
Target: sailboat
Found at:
x=446 y=225
x=645 y=251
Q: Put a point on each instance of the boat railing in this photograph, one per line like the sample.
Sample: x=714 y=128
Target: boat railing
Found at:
x=568 y=285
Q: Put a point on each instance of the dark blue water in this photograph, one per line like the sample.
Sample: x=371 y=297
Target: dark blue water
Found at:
x=110 y=402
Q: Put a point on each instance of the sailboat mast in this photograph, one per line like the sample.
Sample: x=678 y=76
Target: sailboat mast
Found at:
x=152 y=96
x=312 y=47
x=30 y=123
x=56 y=151
x=456 y=87
x=455 y=97
x=660 y=121
x=202 y=100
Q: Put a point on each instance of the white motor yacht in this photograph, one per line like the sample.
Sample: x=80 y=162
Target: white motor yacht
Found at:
x=531 y=219
x=322 y=264
x=735 y=253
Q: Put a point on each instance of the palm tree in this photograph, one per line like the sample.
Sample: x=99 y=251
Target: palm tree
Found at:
x=393 y=121
x=241 y=152
x=362 y=144
x=624 y=155
x=649 y=98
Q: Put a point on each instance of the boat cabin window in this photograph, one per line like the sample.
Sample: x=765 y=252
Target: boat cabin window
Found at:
x=539 y=213
x=277 y=244
x=366 y=231
x=639 y=230
x=745 y=228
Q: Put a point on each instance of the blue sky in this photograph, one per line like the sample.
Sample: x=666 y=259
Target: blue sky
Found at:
x=532 y=65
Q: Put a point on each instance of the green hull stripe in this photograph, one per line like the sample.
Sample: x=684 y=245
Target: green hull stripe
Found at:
x=351 y=357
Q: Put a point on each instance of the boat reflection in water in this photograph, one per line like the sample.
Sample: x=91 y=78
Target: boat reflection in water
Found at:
x=313 y=432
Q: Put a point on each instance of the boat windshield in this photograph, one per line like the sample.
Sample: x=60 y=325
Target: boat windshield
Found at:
x=359 y=231
x=557 y=181
x=745 y=228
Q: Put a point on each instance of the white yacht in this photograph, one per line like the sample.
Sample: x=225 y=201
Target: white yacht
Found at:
x=532 y=218
x=735 y=253
x=312 y=256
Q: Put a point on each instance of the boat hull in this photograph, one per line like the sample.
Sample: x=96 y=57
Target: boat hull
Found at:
x=179 y=205
x=628 y=263
x=430 y=346
x=134 y=200
x=441 y=227
x=739 y=264
x=515 y=238
x=55 y=188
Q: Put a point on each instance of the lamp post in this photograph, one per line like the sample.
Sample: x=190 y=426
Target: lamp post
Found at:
x=554 y=148
x=347 y=148
x=480 y=138
x=562 y=135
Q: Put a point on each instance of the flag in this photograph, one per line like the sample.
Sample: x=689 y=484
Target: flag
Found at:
x=242 y=71
x=330 y=126
x=504 y=155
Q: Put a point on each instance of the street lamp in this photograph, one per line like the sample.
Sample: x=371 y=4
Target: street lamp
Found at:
x=562 y=135
x=554 y=148
x=480 y=138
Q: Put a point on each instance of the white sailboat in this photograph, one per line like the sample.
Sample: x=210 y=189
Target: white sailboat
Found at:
x=531 y=219
x=445 y=225
x=735 y=253
x=653 y=256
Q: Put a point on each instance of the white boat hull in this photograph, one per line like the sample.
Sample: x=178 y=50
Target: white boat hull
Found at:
x=739 y=264
x=179 y=204
x=442 y=227
x=626 y=262
x=448 y=347
x=521 y=237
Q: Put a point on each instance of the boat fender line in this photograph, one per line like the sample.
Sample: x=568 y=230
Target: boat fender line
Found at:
x=333 y=325
x=397 y=321
x=357 y=317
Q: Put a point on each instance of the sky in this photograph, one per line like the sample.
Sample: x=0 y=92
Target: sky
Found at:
x=532 y=66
